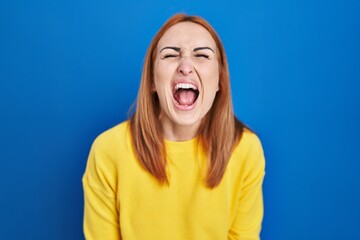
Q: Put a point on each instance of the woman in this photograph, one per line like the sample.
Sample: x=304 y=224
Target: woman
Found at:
x=183 y=167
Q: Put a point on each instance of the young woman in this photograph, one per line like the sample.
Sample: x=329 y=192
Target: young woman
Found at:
x=183 y=167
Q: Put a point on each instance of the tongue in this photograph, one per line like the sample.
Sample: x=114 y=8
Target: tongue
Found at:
x=185 y=97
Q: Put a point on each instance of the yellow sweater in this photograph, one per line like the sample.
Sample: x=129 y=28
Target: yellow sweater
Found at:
x=123 y=201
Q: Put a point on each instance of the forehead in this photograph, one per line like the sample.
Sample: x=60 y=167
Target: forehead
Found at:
x=187 y=34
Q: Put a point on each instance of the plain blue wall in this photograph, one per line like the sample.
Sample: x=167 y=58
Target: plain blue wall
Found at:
x=70 y=70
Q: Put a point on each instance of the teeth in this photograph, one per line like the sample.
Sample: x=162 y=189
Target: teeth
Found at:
x=185 y=86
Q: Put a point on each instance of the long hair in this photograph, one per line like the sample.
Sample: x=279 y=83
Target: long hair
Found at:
x=219 y=131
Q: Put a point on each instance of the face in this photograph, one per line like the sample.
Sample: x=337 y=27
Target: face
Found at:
x=186 y=74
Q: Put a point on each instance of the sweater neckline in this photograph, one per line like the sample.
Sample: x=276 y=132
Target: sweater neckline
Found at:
x=181 y=146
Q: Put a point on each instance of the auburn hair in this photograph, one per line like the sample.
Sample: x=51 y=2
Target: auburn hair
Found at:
x=219 y=131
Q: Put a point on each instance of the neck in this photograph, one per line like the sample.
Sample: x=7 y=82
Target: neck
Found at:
x=177 y=133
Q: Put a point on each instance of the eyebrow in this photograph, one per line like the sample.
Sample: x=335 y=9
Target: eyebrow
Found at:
x=202 y=48
x=177 y=49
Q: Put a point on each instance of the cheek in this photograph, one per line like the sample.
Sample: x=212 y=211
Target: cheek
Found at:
x=162 y=73
x=161 y=82
x=213 y=76
x=217 y=80
x=159 y=78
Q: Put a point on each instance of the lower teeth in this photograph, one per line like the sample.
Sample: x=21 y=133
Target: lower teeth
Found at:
x=185 y=105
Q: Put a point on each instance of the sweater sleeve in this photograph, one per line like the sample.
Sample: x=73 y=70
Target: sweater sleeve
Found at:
x=249 y=213
x=100 y=211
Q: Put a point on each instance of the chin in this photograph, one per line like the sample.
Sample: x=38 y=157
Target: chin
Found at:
x=186 y=121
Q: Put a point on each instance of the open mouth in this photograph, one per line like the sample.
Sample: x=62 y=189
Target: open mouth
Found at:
x=185 y=94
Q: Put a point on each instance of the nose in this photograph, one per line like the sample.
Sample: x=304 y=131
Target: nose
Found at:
x=185 y=67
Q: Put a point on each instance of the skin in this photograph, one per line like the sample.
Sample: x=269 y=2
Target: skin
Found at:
x=186 y=53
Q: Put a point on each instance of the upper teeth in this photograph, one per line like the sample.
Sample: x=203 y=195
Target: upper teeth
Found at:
x=185 y=86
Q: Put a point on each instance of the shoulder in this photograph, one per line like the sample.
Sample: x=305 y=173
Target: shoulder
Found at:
x=113 y=138
x=249 y=153
x=105 y=155
x=111 y=146
x=103 y=161
x=249 y=141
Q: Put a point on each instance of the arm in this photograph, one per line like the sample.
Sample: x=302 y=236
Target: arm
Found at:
x=249 y=213
x=100 y=211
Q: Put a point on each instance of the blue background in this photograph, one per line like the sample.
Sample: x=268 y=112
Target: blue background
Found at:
x=70 y=70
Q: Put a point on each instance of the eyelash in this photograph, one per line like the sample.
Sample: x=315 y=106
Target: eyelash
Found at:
x=169 y=55
x=202 y=55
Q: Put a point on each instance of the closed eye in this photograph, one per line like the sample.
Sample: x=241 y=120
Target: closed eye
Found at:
x=203 y=55
x=169 y=55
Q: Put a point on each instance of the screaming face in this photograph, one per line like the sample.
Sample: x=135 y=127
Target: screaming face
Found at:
x=186 y=75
